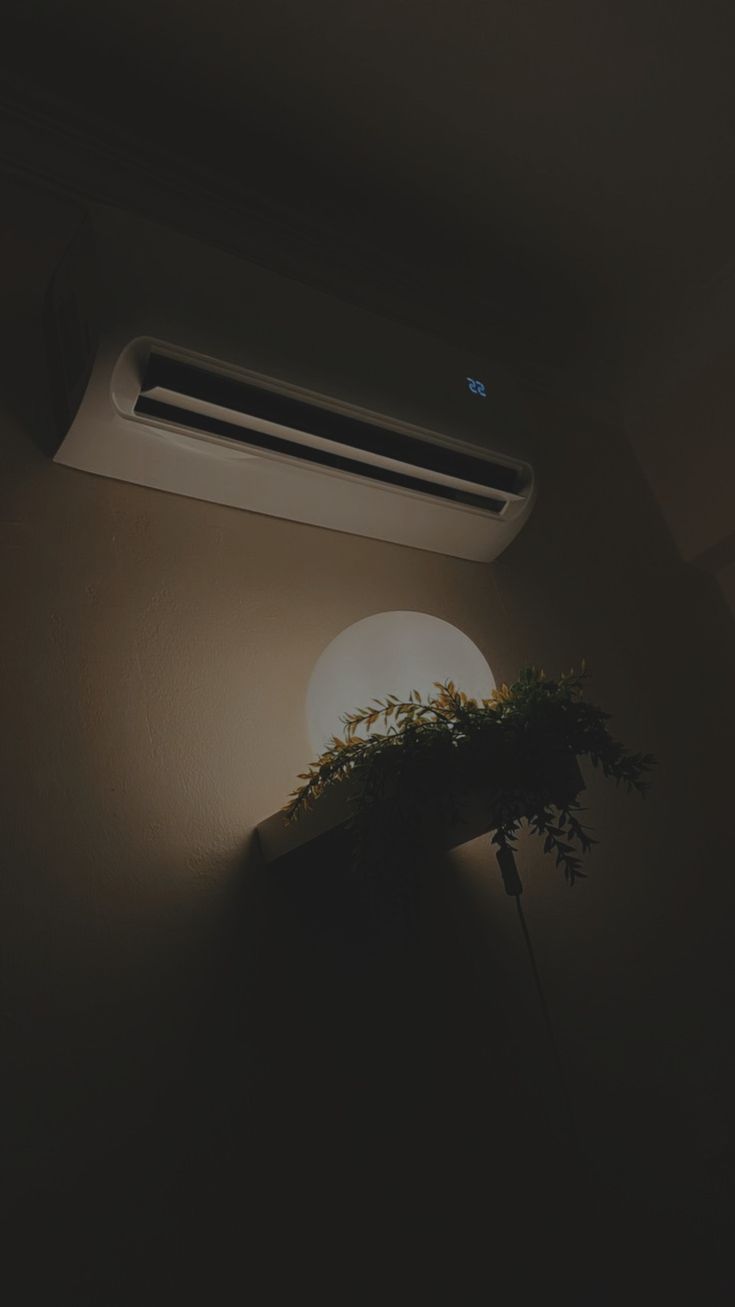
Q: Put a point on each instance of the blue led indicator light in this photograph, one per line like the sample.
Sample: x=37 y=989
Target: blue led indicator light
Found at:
x=477 y=387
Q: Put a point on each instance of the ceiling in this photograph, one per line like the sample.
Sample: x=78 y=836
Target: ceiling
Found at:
x=568 y=162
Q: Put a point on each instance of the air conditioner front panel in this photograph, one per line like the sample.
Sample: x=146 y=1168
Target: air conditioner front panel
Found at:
x=171 y=461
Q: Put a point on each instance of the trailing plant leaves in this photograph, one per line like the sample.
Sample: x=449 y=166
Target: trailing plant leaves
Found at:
x=410 y=777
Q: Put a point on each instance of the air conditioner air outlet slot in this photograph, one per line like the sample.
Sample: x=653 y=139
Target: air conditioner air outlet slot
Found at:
x=254 y=438
x=195 y=393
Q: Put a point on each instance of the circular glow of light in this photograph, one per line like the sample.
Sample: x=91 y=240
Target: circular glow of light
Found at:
x=389 y=653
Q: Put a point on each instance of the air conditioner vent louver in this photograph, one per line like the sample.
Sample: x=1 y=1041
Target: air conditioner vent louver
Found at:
x=199 y=400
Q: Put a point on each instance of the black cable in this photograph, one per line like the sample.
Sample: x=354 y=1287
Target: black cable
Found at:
x=561 y=1074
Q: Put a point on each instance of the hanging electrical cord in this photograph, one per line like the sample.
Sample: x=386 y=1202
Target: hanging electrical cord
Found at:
x=514 y=888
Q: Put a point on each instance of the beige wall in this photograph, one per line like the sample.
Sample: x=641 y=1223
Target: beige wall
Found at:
x=156 y=653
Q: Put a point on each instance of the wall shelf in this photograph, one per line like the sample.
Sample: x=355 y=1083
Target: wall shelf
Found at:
x=323 y=826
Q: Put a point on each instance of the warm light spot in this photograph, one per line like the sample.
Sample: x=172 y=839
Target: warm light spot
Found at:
x=389 y=653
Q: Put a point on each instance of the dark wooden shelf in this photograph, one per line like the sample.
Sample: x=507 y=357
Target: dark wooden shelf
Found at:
x=323 y=826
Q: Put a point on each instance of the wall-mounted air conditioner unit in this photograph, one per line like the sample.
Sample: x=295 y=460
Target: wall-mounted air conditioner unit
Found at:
x=184 y=368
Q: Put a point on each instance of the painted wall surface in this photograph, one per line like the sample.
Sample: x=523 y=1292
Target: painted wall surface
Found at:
x=184 y=1034
x=680 y=416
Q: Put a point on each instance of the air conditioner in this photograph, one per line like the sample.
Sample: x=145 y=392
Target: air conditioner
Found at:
x=182 y=367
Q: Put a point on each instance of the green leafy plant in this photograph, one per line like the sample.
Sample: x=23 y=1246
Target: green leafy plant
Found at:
x=411 y=763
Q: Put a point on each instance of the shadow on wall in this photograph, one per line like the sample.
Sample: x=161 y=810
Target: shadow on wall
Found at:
x=334 y=1093
x=36 y=228
x=344 y=1100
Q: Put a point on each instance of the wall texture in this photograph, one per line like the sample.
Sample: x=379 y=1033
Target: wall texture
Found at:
x=184 y=1036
